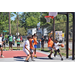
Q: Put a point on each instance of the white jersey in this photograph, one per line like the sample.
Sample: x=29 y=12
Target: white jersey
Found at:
x=56 y=45
x=28 y=45
x=0 y=40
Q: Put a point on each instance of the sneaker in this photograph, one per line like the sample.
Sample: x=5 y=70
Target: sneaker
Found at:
x=26 y=61
x=61 y=58
x=32 y=59
x=54 y=55
x=49 y=56
x=2 y=56
x=35 y=56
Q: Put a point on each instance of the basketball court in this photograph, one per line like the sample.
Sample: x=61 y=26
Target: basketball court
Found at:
x=13 y=54
x=20 y=56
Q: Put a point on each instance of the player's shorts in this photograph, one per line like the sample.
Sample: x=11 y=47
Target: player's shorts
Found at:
x=58 y=50
x=31 y=50
x=35 y=46
x=26 y=51
x=1 y=46
x=50 y=48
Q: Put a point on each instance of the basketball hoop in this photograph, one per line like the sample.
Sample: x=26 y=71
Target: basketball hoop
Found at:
x=48 y=18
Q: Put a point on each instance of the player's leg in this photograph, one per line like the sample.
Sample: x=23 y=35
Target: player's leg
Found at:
x=28 y=55
x=60 y=54
x=55 y=53
x=35 y=46
x=1 y=52
x=51 y=51
x=31 y=54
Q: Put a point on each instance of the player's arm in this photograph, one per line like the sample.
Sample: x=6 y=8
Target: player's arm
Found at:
x=59 y=45
x=50 y=34
x=54 y=46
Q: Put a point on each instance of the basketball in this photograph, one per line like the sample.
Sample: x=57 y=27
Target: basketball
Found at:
x=69 y=49
x=62 y=45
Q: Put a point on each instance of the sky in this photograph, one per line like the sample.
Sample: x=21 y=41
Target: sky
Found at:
x=13 y=18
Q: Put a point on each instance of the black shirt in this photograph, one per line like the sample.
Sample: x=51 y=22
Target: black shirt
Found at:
x=42 y=39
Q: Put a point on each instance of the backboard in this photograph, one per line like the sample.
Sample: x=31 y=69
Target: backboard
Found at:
x=53 y=14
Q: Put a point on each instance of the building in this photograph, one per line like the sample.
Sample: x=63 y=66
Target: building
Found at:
x=39 y=32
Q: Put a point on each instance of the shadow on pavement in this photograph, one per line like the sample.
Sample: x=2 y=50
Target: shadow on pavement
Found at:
x=44 y=58
x=53 y=58
x=20 y=57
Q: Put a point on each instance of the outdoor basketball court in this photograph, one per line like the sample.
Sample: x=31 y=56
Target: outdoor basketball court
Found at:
x=20 y=56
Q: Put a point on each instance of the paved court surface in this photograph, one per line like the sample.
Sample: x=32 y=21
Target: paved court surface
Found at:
x=20 y=56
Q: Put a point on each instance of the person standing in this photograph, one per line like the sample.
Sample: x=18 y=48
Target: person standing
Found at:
x=14 y=40
x=35 y=44
x=42 y=42
x=21 y=38
x=1 y=45
x=10 y=41
x=3 y=39
x=18 y=43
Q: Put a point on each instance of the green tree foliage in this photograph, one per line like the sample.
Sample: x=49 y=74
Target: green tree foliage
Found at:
x=30 y=19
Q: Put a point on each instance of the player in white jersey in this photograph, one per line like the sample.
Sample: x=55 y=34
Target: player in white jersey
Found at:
x=56 y=47
x=1 y=45
x=26 y=48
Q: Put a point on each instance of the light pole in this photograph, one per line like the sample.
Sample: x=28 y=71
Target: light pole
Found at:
x=9 y=24
x=53 y=28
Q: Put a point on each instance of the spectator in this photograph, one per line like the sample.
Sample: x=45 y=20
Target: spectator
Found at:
x=6 y=41
x=21 y=38
x=3 y=39
x=18 y=42
x=42 y=42
x=10 y=41
x=14 y=40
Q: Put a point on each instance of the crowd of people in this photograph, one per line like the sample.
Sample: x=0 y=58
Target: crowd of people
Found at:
x=31 y=45
x=11 y=39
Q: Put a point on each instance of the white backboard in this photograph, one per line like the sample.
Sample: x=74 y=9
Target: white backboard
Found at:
x=53 y=14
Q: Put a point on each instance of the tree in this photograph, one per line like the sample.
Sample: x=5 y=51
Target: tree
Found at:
x=34 y=17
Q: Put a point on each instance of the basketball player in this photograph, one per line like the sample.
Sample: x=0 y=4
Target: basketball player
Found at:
x=1 y=45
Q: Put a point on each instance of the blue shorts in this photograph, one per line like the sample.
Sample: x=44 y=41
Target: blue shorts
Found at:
x=35 y=46
x=31 y=50
x=50 y=48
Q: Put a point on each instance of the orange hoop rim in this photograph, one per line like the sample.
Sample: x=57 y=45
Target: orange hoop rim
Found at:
x=49 y=17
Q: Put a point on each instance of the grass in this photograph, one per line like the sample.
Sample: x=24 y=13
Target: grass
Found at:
x=62 y=51
x=14 y=48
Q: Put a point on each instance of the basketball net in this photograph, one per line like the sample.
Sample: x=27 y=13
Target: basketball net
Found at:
x=47 y=19
x=51 y=15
